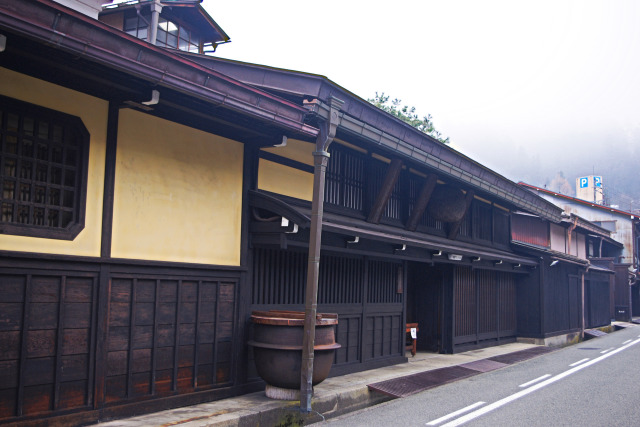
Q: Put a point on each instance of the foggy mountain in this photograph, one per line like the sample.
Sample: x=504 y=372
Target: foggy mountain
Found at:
x=555 y=166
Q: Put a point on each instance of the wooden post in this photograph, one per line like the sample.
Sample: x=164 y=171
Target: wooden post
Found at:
x=328 y=129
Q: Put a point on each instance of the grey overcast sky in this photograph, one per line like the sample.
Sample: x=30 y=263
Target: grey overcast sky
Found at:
x=524 y=87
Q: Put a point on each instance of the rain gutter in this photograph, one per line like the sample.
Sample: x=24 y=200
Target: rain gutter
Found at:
x=514 y=194
x=62 y=28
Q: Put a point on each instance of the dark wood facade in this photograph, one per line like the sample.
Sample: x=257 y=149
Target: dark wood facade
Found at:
x=88 y=336
x=568 y=292
x=362 y=290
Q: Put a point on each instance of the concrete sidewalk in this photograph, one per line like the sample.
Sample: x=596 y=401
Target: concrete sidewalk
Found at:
x=333 y=397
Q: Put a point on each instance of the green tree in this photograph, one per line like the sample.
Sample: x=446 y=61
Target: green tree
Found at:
x=408 y=115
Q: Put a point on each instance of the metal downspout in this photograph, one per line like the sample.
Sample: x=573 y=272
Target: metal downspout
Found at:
x=320 y=159
x=156 y=8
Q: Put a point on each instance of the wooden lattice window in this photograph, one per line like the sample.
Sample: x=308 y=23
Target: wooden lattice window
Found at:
x=43 y=167
x=501 y=234
x=482 y=220
x=345 y=180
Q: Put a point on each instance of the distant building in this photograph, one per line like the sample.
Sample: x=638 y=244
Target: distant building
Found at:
x=624 y=227
x=590 y=188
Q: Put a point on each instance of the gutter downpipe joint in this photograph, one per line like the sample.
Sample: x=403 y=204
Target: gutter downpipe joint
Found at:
x=328 y=127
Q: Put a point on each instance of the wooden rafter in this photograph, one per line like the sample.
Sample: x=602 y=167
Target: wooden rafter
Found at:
x=390 y=180
x=421 y=203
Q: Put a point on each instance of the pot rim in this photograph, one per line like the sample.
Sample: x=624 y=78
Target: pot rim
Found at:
x=291 y=318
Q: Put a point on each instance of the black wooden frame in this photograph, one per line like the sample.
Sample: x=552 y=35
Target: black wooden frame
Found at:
x=77 y=210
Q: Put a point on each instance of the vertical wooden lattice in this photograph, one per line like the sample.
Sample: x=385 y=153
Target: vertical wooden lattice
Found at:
x=482 y=224
x=345 y=179
x=487 y=290
x=383 y=281
x=465 y=302
x=279 y=278
x=501 y=232
x=507 y=321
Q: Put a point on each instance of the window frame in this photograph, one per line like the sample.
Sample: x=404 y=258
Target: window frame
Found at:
x=79 y=132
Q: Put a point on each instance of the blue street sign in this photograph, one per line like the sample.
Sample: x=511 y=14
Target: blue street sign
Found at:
x=597 y=181
x=584 y=182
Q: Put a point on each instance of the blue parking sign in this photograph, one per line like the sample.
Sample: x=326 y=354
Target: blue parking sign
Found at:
x=597 y=181
x=584 y=182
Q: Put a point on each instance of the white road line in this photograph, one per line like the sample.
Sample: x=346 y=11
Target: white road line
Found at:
x=626 y=342
x=479 y=412
x=534 y=381
x=455 y=414
x=607 y=350
x=579 y=362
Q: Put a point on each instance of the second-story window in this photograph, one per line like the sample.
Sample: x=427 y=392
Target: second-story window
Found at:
x=137 y=26
x=176 y=36
x=170 y=34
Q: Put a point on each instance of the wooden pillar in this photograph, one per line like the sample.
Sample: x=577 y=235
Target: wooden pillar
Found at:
x=328 y=129
x=105 y=252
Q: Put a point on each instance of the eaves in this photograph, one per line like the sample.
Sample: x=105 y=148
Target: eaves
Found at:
x=359 y=117
x=59 y=27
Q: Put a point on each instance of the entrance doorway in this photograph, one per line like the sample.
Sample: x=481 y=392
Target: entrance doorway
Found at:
x=424 y=304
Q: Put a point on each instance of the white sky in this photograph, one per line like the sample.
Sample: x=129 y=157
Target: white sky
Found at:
x=507 y=81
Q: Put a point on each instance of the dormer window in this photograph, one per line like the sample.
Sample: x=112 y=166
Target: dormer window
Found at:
x=185 y=25
x=177 y=37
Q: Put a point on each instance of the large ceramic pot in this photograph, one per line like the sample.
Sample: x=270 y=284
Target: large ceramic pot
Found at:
x=277 y=350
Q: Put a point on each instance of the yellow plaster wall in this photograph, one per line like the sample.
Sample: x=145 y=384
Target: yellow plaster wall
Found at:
x=93 y=112
x=285 y=180
x=297 y=150
x=178 y=193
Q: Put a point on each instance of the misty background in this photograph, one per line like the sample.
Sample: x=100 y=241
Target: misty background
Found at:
x=542 y=92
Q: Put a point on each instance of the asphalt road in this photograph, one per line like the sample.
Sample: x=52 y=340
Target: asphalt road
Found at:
x=594 y=383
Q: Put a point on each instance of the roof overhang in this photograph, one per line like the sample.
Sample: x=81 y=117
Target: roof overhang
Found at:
x=58 y=29
x=370 y=124
x=554 y=255
x=438 y=247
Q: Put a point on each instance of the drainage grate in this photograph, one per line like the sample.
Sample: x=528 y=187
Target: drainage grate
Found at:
x=415 y=383
x=519 y=356
x=412 y=384
x=592 y=333
x=484 y=365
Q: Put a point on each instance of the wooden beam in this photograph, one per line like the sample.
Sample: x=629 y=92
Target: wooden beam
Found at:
x=390 y=180
x=455 y=227
x=421 y=203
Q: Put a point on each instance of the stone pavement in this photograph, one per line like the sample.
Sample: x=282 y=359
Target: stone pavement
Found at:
x=333 y=397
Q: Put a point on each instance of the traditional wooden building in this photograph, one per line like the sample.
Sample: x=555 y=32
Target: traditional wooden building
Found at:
x=124 y=218
x=624 y=228
x=572 y=288
x=152 y=198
